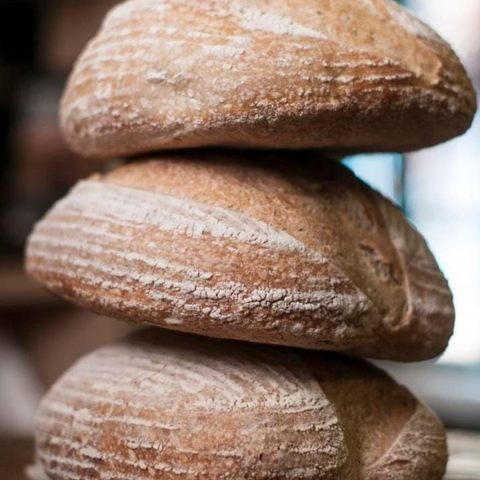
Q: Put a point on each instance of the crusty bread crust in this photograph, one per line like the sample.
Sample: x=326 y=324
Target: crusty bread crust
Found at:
x=166 y=405
x=265 y=247
x=290 y=74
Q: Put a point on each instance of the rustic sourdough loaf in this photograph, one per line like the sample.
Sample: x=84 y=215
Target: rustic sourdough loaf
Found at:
x=164 y=405
x=267 y=247
x=354 y=74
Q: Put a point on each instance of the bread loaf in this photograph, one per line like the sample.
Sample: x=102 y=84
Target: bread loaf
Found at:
x=164 y=406
x=266 y=247
x=292 y=74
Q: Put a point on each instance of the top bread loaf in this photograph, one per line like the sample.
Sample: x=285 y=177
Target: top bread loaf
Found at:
x=355 y=75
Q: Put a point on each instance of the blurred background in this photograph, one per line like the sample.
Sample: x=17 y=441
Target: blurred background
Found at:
x=40 y=335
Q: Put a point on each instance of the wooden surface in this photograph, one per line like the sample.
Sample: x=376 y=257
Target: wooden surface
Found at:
x=16 y=454
x=20 y=292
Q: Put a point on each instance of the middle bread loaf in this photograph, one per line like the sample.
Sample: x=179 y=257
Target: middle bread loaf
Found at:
x=264 y=247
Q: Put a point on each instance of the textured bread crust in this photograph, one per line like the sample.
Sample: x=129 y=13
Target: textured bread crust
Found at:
x=291 y=74
x=264 y=247
x=167 y=406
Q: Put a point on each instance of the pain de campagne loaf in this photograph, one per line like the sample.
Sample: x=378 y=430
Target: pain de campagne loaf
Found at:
x=262 y=246
x=168 y=406
x=350 y=74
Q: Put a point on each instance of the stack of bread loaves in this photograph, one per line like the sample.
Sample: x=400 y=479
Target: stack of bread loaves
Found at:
x=273 y=244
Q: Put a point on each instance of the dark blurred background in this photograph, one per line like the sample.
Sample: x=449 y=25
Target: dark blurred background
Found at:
x=40 y=335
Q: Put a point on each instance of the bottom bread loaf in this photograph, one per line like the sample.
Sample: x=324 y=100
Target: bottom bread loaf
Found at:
x=163 y=405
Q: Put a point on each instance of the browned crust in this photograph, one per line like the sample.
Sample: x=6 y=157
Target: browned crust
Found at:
x=164 y=405
x=359 y=75
x=262 y=247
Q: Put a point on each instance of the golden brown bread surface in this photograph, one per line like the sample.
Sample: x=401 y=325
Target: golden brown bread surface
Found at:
x=164 y=405
x=350 y=74
x=266 y=247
